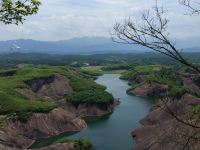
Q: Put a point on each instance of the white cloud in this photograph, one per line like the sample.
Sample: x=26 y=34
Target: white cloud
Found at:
x=65 y=19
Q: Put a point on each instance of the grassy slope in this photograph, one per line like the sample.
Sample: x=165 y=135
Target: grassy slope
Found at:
x=162 y=74
x=13 y=102
x=99 y=70
x=146 y=70
x=87 y=91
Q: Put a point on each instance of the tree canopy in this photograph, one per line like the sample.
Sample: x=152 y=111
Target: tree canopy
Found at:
x=15 y=11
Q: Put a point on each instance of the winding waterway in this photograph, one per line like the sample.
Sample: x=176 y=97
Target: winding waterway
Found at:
x=113 y=132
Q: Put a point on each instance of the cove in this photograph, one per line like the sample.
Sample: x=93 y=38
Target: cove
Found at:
x=111 y=132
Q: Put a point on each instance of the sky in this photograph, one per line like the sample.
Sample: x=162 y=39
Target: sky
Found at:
x=66 y=19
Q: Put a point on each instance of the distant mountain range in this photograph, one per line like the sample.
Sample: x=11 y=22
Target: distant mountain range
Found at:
x=73 y=46
x=86 y=45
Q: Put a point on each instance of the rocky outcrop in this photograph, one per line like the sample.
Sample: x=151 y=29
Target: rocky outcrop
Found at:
x=58 y=146
x=57 y=121
x=161 y=130
x=137 y=79
x=36 y=84
x=54 y=88
x=28 y=93
x=50 y=88
x=159 y=113
x=42 y=125
x=43 y=88
x=149 y=89
x=18 y=134
x=156 y=137
x=59 y=87
x=10 y=140
x=189 y=82
x=84 y=110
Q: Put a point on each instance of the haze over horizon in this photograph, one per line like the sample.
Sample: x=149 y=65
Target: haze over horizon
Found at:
x=67 y=19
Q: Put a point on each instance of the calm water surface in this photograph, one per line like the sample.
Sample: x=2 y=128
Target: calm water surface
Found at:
x=113 y=132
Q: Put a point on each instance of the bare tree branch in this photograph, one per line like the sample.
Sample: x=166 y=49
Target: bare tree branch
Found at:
x=151 y=33
x=192 y=5
x=175 y=115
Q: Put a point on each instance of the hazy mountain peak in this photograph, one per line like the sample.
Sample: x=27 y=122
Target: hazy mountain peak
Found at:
x=82 y=45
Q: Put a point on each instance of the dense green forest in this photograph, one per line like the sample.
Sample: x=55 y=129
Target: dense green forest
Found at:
x=124 y=60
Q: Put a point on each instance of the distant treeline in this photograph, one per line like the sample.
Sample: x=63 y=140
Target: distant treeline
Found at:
x=15 y=59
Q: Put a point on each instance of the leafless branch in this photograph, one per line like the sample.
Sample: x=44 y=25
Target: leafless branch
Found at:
x=175 y=115
x=150 y=32
x=192 y=5
x=185 y=131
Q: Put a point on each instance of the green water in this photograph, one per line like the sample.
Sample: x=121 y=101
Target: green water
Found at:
x=112 y=132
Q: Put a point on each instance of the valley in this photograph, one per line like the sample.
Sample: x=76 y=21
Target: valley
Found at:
x=99 y=75
x=102 y=107
x=113 y=131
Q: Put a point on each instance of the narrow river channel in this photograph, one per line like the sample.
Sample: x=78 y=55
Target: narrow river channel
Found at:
x=113 y=132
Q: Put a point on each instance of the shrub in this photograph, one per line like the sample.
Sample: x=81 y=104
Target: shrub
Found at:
x=177 y=92
x=196 y=111
x=128 y=74
x=116 y=67
x=79 y=144
x=90 y=96
x=81 y=84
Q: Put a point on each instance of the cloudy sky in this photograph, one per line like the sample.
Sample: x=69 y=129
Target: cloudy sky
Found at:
x=65 y=19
